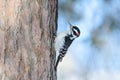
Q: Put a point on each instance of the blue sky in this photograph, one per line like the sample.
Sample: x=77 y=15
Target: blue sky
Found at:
x=83 y=59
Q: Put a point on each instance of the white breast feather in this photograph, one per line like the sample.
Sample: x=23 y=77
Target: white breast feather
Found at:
x=59 y=41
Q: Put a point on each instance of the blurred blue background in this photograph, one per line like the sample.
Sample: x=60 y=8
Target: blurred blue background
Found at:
x=95 y=55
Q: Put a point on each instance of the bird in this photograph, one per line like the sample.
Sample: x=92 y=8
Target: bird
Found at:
x=63 y=41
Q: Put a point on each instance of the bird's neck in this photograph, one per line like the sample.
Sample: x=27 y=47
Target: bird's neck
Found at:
x=71 y=37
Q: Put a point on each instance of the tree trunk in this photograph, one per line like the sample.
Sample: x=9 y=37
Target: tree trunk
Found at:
x=26 y=39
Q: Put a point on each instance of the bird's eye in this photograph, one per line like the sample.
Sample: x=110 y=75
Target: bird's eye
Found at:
x=74 y=33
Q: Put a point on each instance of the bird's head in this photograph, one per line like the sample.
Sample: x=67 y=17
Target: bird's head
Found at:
x=74 y=30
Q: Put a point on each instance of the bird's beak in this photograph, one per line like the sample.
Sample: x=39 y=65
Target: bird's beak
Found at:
x=70 y=26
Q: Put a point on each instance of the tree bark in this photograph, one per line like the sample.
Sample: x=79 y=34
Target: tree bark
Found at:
x=26 y=39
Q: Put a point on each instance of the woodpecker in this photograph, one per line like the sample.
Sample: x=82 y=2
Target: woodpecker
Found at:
x=63 y=41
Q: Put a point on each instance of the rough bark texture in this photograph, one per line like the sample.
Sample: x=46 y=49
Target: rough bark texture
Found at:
x=26 y=42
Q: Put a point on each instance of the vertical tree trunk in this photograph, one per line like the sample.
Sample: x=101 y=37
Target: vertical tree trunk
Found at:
x=26 y=42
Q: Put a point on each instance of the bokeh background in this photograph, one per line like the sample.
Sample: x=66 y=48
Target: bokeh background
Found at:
x=95 y=55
